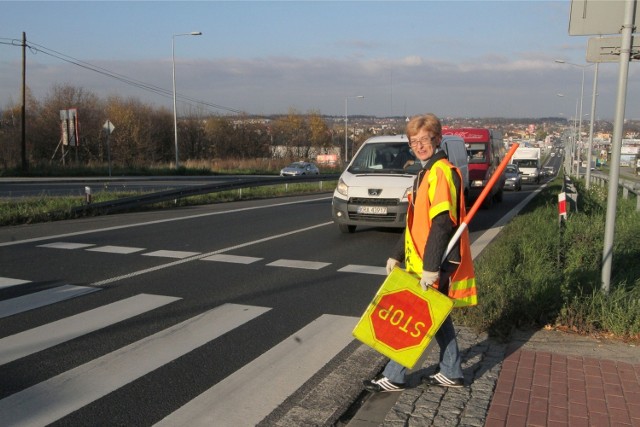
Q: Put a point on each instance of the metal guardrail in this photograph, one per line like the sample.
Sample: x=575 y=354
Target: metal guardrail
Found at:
x=125 y=203
x=628 y=186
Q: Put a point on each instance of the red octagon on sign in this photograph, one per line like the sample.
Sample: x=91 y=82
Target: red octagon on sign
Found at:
x=401 y=319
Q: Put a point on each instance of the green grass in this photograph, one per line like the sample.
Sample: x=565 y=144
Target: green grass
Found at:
x=31 y=210
x=537 y=273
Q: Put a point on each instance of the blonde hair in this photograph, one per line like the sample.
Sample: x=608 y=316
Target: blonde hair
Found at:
x=428 y=122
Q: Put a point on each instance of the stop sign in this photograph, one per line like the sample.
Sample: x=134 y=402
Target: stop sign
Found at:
x=401 y=319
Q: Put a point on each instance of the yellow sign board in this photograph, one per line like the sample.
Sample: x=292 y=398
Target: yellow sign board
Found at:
x=402 y=318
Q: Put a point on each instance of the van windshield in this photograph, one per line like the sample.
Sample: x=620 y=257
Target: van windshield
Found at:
x=526 y=163
x=389 y=157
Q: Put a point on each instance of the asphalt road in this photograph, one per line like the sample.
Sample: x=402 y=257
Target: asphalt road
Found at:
x=216 y=313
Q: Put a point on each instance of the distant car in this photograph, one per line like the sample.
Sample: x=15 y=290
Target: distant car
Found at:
x=548 y=171
x=299 y=169
x=513 y=178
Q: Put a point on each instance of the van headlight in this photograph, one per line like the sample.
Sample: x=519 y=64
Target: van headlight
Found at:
x=405 y=196
x=342 y=188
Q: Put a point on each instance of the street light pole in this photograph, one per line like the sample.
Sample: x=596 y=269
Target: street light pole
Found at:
x=593 y=113
x=560 y=61
x=175 y=114
x=346 y=124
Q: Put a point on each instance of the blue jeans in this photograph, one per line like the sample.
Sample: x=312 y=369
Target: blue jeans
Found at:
x=450 y=362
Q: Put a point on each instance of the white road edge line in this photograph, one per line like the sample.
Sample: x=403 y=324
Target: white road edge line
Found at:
x=159 y=221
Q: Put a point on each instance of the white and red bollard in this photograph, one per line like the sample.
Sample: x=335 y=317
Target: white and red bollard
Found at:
x=562 y=206
x=87 y=195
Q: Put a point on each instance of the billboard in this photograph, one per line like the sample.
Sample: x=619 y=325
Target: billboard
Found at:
x=69 y=127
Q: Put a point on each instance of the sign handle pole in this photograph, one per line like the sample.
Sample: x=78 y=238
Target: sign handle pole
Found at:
x=480 y=199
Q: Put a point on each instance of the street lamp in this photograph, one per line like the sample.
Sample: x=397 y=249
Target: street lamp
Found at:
x=346 y=121
x=572 y=149
x=175 y=114
x=560 y=61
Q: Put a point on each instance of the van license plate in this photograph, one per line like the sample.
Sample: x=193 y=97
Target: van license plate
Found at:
x=372 y=210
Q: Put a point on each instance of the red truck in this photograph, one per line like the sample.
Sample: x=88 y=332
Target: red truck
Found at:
x=486 y=150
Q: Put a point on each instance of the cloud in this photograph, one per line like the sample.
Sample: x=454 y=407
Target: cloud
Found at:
x=490 y=85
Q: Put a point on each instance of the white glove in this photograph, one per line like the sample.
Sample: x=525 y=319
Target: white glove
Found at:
x=428 y=279
x=391 y=264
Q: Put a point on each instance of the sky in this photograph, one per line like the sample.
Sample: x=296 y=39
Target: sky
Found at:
x=454 y=58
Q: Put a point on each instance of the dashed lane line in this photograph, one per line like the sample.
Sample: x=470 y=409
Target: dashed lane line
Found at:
x=202 y=256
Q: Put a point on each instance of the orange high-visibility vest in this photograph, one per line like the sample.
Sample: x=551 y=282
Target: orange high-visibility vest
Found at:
x=428 y=201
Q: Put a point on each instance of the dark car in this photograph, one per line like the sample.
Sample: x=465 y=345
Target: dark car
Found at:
x=300 y=168
x=513 y=178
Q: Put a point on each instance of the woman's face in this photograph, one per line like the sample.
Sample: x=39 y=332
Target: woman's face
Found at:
x=424 y=144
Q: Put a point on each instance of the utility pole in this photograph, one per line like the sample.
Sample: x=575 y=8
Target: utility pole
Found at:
x=25 y=165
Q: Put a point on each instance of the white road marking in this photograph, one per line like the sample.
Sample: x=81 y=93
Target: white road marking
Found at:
x=37 y=339
x=364 y=269
x=66 y=245
x=292 y=263
x=6 y=282
x=236 y=259
x=40 y=299
x=59 y=396
x=247 y=396
x=201 y=256
x=172 y=254
x=116 y=249
x=160 y=221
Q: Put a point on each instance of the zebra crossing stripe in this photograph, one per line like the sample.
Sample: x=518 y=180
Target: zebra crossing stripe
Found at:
x=364 y=269
x=59 y=396
x=25 y=343
x=254 y=391
x=6 y=282
x=40 y=299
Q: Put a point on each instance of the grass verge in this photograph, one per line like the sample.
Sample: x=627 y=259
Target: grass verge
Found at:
x=538 y=273
x=31 y=210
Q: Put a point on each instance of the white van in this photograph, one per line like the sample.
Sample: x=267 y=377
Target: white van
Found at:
x=373 y=190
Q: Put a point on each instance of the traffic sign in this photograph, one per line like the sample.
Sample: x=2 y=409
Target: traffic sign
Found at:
x=598 y=17
x=108 y=126
x=402 y=319
x=607 y=49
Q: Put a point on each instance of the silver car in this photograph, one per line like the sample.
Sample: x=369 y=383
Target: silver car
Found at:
x=300 y=168
x=513 y=178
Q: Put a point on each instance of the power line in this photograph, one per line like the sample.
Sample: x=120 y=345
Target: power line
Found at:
x=37 y=48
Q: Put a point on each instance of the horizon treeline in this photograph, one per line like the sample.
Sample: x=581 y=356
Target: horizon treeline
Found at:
x=144 y=134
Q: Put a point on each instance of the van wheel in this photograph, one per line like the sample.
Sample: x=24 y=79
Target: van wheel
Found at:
x=499 y=195
x=347 y=228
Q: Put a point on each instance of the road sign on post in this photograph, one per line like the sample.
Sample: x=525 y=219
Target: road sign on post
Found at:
x=607 y=49
x=402 y=318
x=597 y=17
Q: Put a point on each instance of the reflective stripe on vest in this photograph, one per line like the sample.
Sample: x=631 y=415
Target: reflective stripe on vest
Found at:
x=424 y=204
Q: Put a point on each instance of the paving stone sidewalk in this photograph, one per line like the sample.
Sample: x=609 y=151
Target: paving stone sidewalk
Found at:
x=538 y=378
